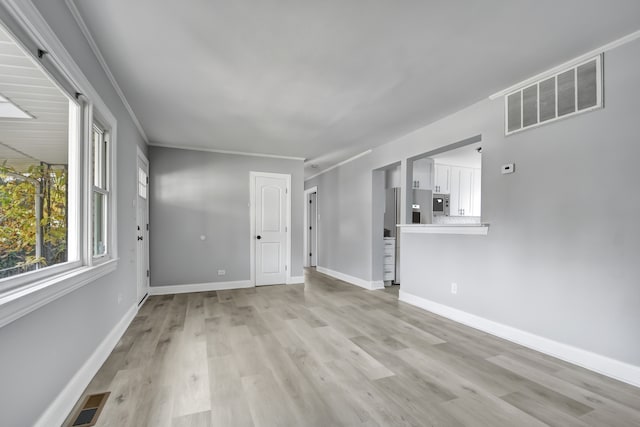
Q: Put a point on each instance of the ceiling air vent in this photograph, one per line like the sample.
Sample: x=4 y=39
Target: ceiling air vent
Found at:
x=569 y=92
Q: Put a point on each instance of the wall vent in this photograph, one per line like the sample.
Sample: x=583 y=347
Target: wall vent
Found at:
x=572 y=91
x=89 y=411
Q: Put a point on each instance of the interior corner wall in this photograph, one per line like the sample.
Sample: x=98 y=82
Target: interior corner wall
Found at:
x=344 y=218
x=199 y=193
x=560 y=259
x=43 y=350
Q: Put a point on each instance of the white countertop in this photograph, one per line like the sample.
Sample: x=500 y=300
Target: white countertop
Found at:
x=477 y=229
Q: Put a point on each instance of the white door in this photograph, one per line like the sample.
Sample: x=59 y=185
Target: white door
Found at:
x=270 y=210
x=313 y=232
x=142 y=227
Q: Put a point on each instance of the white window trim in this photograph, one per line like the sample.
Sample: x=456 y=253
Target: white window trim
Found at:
x=31 y=291
x=106 y=191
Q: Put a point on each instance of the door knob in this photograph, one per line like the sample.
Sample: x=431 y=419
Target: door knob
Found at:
x=139 y=237
x=258 y=237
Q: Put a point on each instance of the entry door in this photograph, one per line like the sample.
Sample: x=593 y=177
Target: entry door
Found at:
x=142 y=227
x=270 y=229
x=313 y=232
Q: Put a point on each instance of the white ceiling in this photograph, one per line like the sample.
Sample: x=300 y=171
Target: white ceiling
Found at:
x=325 y=80
x=466 y=156
x=24 y=142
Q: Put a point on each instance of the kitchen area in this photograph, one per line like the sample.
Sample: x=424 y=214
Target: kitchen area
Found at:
x=446 y=187
x=445 y=191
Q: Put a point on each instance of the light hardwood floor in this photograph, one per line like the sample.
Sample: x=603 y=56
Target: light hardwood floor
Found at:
x=330 y=354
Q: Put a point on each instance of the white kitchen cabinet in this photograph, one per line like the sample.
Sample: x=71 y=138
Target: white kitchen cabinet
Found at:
x=461 y=191
x=389 y=260
x=476 y=195
x=442 y=179
x=423 y=174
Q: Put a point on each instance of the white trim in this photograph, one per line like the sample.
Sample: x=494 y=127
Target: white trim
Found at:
x=294 y=280
x=305 y=245
x=60 y=408
x=140 y=156
x=199 y=287
x=595 y=362
x=252 y=219
x=25 y=299
x=376 y=284
x=103 y=63
x=214 y=150
x=568 y=64
x=344 y=162
x=472 y=229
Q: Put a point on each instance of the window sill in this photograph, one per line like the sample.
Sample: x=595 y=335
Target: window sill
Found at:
x=19 y=302
x=472 y=229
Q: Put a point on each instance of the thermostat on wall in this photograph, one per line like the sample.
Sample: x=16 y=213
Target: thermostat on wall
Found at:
x=508 y=168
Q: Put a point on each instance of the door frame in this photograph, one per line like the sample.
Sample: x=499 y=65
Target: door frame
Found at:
x=252 y=221
x=305 y=246
x=141 y=156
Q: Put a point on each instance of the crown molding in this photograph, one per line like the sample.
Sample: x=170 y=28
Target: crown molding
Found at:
x=344 y=162
x=103 y=63
x=568 y=64
x=214 y=150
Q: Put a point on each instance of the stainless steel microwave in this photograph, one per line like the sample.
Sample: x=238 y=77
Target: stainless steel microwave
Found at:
x=440 y=205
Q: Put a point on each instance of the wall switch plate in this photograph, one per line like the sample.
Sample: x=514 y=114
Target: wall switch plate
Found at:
x=508 y=168
x=119 y=298
x=454 y=288
x=222 y=272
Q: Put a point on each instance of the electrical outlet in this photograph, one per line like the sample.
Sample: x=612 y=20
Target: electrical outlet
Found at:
x=454 y=288
x=119 y=298
x=222 y=272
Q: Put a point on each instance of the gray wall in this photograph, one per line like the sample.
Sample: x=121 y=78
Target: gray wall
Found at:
x=196 y=193
x=43 y=350
x=345 y=218
x=561 y=257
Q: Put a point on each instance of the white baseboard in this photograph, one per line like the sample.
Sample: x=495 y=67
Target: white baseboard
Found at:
x=60 y=408
x=377 y=284
x=293 y=280
x=595 y=362
x=351 y=279
x=199 y=287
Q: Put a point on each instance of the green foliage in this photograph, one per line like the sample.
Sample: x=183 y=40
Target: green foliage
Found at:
x=18 y=227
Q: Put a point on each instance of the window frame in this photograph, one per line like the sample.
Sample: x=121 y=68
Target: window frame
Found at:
x=103 y=188
x=26 y=292
x=572 y=67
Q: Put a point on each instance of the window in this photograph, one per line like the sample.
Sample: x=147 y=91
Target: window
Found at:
x=143 y=183
x=57 y=187
x=101 y=196
x=37 y=133
x=570 y=92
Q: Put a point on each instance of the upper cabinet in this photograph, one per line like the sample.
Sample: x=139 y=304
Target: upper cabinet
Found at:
x=465 y=186
x=423 y=174
x=476 y=194
x=442 y=179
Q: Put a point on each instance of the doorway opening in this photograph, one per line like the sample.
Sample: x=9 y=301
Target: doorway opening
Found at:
x=142 y=225
x=310 y=254
x=387 y=192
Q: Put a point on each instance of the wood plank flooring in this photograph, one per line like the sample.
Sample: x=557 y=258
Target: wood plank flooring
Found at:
x=327 y=353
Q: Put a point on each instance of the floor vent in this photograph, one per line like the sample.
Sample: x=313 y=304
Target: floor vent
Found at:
x=88 y=413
